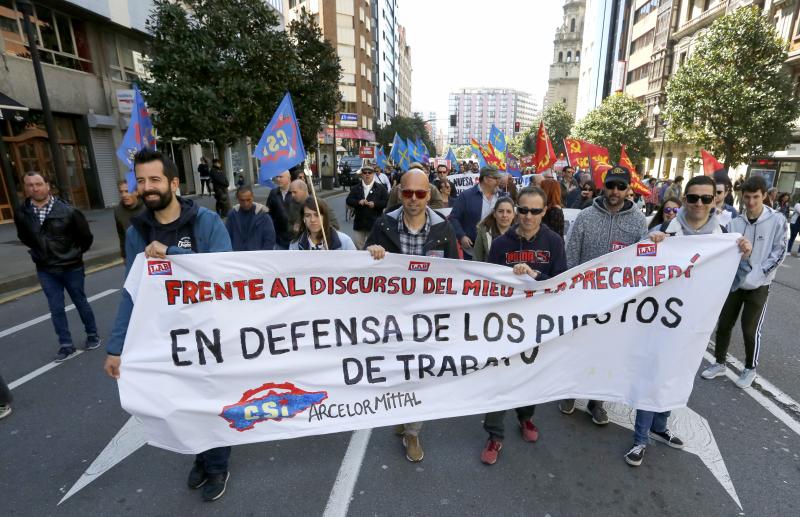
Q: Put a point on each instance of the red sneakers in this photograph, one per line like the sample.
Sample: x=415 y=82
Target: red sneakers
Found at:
x=490 y=452
x=530 y=433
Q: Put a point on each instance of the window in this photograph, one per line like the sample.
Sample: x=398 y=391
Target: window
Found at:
x=644 y=10
x=569 y=56
x=62 y=40
x=643 y=41
x=560 y=57
x=638 y=73
x=121 y=58
x=572 y=25
x=577 y=56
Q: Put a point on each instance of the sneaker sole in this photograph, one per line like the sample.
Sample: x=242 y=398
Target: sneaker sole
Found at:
x=224 y=487
x=632 y=463
x=709 y=377
x=567 y=412
x=409 y=457
x=70 y=356
x=745 y=386
x=6 y=413
x=526 y=439
x=657 y=438
x=495 y=460
x=600 y=422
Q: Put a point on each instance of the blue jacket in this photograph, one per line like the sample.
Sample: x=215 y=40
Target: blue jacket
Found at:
x=466 y=212
x=209 y=234
x=545 y=252
x=262 y=232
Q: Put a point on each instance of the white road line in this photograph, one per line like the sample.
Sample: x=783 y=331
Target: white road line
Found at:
x=39 y=371
x=763 y=401
x=342 y=491
x=46 y=317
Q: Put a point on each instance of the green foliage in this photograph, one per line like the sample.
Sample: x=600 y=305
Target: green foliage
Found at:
x=406 y=128
x=463 y=152
x=615 y=122
x=731 y=96
x=557 y=121
x=221 y=67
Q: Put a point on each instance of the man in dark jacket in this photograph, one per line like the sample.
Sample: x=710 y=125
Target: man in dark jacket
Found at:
x=205 y=176
x=129 y=206
x=279 y=203
x=413 y=229
x=170 y=226
x=58 y=236
x=249 y=224
x=473 y=205
x=367 y=199
x=220 y=182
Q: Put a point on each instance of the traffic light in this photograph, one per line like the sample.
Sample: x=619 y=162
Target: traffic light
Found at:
x=516 y=127
x=452 y=121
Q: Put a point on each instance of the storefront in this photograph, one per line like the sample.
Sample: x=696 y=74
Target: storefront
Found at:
x=780 y=169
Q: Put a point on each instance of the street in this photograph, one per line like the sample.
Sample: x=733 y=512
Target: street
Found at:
x=743 y=447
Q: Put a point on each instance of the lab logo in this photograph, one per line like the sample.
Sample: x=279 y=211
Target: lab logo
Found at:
x=418 y=266
x=268 y=402
x=646 y=249
x=159 y=267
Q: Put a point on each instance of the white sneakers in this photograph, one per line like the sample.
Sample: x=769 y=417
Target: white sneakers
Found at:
x=5 y=411
x=745 y=380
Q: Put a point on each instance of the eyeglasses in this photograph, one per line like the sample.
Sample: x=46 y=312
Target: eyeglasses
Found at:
x=367 y=172
x=616 y=185
x=524 y=210
x=671 y=210
x=409 y=193
x=694 y=198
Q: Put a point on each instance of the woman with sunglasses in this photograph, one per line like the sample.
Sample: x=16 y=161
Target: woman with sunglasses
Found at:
x=446 y=190
x=493 y=226
x=666 y=212
x=314 y=224
x=532 y=249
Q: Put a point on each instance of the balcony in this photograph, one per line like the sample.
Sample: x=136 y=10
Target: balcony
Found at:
x=702 y=21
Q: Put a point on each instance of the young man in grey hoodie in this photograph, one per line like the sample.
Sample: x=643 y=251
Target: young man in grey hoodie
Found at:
x=610 y=224
x=766 y=229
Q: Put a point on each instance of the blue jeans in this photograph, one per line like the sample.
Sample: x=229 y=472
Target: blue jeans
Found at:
x=794 y=229
x=647 y=421
x=53 y=285
x=214 y=461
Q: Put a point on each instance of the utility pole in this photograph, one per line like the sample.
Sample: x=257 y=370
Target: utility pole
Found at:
x=62 y=180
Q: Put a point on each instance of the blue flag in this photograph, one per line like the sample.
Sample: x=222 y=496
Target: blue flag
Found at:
x=140 y=134
x=400 y=153
x=414 y=154
x=512 y=165
x=453 y=162
x=281 y=145
x=380 y=158
x=425 y=156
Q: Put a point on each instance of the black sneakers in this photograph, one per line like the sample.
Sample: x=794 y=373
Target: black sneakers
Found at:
x=64 y=353
x=635 y=455
x=215 y=486
x=197 y=476
x=668 y=438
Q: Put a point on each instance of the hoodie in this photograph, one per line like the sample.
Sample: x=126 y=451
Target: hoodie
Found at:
x=596 y=231
x=768 y=236
x=680 y=226
x=544 y=253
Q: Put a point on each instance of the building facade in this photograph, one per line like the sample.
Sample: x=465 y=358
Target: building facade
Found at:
x=404 y=77
x=386 y=59
x=565 y=70
x=474 y=110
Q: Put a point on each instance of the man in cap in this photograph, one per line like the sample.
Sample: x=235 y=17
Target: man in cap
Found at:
x=367 y=198
x=473 y=205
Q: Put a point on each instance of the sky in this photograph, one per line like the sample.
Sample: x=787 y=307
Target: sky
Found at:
x=478 y=43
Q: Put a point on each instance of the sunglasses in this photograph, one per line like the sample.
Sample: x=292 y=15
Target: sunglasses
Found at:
x=367 y=172
x=671 y=210
x=707 y=199
x=409 y=193
x=524 y=210
x=616 y=185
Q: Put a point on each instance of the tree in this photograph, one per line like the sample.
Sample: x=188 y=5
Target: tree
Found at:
x=221 y=67
x=558 y=122
x=731 y=96
x=407 y=128
x=463 y=152
x=615 y=122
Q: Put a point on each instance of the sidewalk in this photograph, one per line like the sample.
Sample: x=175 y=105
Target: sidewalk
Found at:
x=18 y=271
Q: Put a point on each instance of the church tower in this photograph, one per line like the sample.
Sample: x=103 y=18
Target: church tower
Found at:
x=565 y=70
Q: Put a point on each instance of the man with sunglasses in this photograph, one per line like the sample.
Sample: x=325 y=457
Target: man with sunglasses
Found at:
x=609 y=224
x=766 y=230
x=473 y=205
x=367 y=199
x=441 y=177
x=725 y=212
x=413 y=229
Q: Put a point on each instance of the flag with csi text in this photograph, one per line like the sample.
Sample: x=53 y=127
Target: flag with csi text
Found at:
x=281 y=146
x=636 y=182
x=710 y=164
x=139 y=135
x=453 y=161
x=545 y=154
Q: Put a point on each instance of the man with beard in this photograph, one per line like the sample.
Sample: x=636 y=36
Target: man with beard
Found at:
x=170 y=226
x=58 y=236
x=610 y=224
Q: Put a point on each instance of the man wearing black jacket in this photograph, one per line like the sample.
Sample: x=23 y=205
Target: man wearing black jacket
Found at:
x=367 y=199
x=279 y=203
x=220 y=182
x=58 y=236
x=413 y=229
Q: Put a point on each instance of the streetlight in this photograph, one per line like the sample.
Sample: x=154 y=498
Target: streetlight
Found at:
x=656 y=113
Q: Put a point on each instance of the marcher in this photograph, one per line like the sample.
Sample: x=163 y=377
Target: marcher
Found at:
x=725 y=212
x=794 y=228
x=772 y=198
x=395 y=200
x=129 y=206
x=766 y=230
x=568 y=182
x=5 y=399
x=205 y=176
x=545 y=260
x=413 y=229
x=493 y=226
x=441 y=177
x=299 y=191
x=582 y=197
x=279 y=203
x=473 y=205
x=610 y=224
x=315 y=222
x=249 y=224
x=447 y=192
x=783 y=206
x=666 y=212
x=170 y=226
x=58 y=236
x=554 y=216
x=219 y=180
x=651 y=200
x=367 y=198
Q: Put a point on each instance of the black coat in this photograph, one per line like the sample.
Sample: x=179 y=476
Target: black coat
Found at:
x=59 y=243
x=364 y=217
x=441 y=239
x=279 y=211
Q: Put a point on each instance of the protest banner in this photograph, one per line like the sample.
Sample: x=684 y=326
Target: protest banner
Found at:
x=234 y=348
x=463 y=181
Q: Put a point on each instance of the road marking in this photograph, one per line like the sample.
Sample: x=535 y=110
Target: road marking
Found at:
x=15 y=295
x=342 y=491
x=763 y=401
x=46 y=317
x=39 y=371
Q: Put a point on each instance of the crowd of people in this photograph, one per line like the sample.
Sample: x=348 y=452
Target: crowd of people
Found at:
x=402 y=212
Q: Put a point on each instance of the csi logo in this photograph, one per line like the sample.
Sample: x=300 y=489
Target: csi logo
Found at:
x=646 y=249
x=159 y=267
x=418 y=266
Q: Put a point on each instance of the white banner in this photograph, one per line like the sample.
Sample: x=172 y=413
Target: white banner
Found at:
x=234 y=348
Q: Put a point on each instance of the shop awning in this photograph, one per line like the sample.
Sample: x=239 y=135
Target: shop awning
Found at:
x=355 y=134
x=8 y=105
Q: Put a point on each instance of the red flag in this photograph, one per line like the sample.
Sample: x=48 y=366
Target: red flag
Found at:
x=636 y=182
x=545 y=154
x=577 y=153
x=710 y=164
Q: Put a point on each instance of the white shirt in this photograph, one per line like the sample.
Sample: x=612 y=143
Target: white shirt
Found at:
x=383 y=178
x=488 y=204
x=367 y=188
x=796 y=213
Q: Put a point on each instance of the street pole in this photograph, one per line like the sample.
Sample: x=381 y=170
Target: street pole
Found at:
x=661 y=152
x=62 y=180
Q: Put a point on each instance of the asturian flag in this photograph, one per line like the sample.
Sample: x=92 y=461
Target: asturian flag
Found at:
x=281 y=145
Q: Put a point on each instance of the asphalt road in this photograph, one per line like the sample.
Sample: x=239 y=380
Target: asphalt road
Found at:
x=63 y=419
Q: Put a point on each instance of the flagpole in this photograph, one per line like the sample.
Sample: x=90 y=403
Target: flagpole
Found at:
x=316 y=203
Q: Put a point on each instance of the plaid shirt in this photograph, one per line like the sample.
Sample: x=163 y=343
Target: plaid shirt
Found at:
x=42 y=213
x=413 y=243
